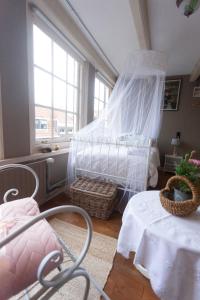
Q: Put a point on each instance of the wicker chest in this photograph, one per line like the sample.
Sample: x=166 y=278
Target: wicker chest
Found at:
x=98 y=198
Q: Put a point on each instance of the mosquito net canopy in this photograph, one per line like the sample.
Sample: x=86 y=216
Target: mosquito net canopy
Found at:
x=133 y=111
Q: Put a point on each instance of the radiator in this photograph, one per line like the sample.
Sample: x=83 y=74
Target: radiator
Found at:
x=51 y=174
x=24 y=182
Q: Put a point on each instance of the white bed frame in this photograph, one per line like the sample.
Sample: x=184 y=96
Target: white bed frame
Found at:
x=107 y=175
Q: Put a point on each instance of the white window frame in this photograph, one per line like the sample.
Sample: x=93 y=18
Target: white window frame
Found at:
x=100 y=77
x=63 y=142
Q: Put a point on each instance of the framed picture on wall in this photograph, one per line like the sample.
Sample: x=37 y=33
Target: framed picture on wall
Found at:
x=196 y=92
x=172 y=93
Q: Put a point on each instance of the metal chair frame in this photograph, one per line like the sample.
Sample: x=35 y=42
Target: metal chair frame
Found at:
x=50 y=287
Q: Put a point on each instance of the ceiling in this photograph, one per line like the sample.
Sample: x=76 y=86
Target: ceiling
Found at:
x=175 y=34
x=112 y=25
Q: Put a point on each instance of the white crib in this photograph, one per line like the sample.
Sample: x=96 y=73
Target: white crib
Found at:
x=130 y=165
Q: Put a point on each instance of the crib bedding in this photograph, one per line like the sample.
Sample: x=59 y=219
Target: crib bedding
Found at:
x=19 y=259
x=114 y=162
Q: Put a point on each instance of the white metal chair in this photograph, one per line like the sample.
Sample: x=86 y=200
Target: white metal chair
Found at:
x=48 y=287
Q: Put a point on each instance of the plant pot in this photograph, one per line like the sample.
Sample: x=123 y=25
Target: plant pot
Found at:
x=181 y=196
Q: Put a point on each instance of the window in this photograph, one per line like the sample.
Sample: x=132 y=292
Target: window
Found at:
x=56 y=88
x=41 y=124
x=101 y=95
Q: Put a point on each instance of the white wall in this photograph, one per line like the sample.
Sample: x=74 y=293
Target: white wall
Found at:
x=14 y=78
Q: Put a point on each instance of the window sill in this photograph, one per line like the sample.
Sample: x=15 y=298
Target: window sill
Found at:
x=37 y=148
x=33 y=157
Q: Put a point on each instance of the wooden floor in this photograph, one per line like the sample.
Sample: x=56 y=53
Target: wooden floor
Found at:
x=124 y=281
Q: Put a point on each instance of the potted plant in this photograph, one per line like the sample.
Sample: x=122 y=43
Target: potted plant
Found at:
x=192 y=172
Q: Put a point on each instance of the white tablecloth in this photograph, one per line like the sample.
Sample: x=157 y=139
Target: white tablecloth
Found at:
x=167 y=246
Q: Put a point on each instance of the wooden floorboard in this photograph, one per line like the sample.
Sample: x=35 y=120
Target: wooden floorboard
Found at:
x=124 y=281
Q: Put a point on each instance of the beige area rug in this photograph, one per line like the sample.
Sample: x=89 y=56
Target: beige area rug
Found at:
x=98 y=260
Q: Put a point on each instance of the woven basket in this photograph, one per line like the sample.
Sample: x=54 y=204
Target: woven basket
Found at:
x=98 y=198
x=179 y=208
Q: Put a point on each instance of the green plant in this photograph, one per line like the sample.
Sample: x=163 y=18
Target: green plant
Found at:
x=192 y=172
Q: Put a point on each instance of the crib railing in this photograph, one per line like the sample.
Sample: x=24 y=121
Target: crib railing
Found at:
x=124 y=163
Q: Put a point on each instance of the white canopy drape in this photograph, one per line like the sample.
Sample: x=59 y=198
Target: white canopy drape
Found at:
x=133 y=112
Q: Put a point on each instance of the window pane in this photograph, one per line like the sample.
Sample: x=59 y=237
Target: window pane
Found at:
x=96 y=92
x=75 y=123
x=70 y=123
x=75 y=73
x=59 y=124
x=101 y=106
x=96 y=108
x=42 y=87
x=75 y=100
x=60 y=60
x=70 y=98
x=70 y=70
x=43 y=124
x=106 y=94
x=59 y=99
x=95 y=115
x=42 y=49
x=101 y=91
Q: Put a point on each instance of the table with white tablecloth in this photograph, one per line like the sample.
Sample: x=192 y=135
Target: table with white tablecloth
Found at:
x=168 y=247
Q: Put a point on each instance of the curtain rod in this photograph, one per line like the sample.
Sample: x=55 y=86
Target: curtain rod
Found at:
x=42 y=16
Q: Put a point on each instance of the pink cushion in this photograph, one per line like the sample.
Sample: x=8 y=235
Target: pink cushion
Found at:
x=19 y=260
x=21 y=207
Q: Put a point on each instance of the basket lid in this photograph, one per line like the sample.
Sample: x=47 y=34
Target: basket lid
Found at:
x=107 y=189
